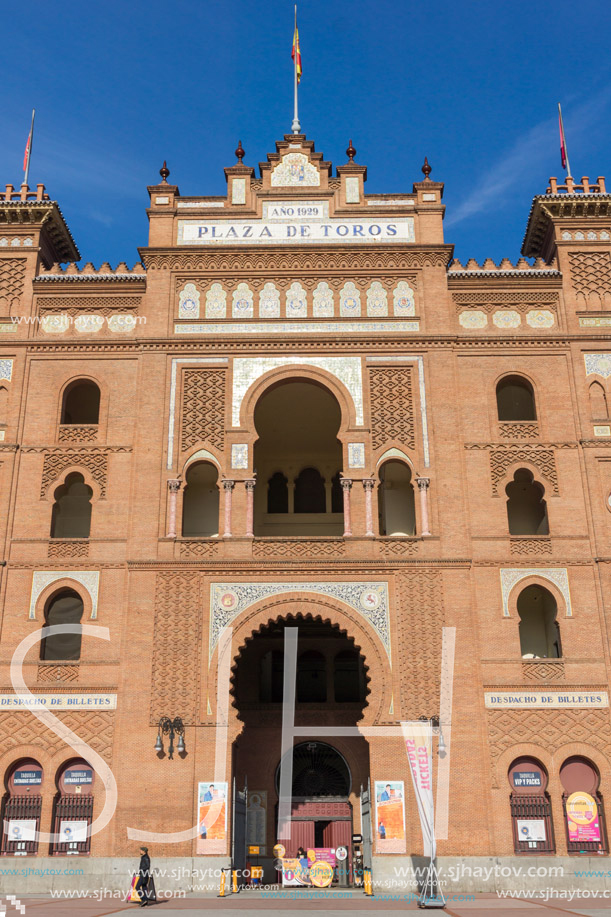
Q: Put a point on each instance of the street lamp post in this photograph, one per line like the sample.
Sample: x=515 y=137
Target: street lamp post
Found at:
x=173 y=728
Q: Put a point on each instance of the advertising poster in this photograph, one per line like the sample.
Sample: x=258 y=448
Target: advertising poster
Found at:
x=21 y=830
x=582 y=817
x=390 y=816
x=419 y=747
x=531 y=829
x=293 y=872
x=72 y=832
x=212 y=818
x=256 y=820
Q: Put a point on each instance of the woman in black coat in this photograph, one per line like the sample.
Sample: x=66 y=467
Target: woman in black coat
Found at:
x=144 y=875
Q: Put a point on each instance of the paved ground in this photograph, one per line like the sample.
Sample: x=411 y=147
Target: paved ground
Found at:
x=285 y=906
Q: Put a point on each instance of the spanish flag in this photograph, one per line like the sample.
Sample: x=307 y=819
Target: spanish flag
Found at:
x=296 y=52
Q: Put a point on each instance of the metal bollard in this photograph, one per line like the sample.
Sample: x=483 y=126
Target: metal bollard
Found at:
x=221 y=893
x=234 y=882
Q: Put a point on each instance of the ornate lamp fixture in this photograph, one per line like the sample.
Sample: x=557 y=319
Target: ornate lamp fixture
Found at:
x=172 y=728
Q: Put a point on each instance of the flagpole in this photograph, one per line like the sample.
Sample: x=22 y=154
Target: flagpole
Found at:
x=296 y=125
x=563 y=138
x=30 y=141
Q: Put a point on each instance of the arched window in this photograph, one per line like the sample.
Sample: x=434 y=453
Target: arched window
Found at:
x=277 y=494
x=310 y=492
x=81 y=403
x=200 y=505
x=396 y=509
x=539 y=631
x=71 y=514
x=21 y=808
x=64 y=608
x=583 y=806
x=526 y=508
x=311 y=678
x=531 y=810
x=598 y=402
x=515 y=399
x=73 y=808
x=347 y=671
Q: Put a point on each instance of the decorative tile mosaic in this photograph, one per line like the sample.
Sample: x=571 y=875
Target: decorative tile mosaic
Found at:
x=356 y=455
x=239 y=455
x=8 y=327
x=122 y=323
x=566 y=235
x=242 y=305
x=238 y=191
x=598 y=364
x=595 y=321
x=605 y=235
x=248 y=370
x=506 y=318
x=403 y=299
x=269 y=302
x=377 y=299
x=55 y=324
x=349 y=300
x=173 y=384
x=473 y=318
x=281 y=328
x=43 y=578
x=216 y=302
x=295 y=170
x=89 y=324
x=368 y=598
x=540 y=318
x=602 y=430
x=6 y=370
x=556 y=575
x=296 y=301
x=3 y=243
x=394 y=453
x=188 y=301
x=352 y=189
x=323 y=305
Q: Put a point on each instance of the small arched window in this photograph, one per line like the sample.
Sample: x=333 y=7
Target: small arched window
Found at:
x=81 y=403
x=200 y=505
x=515 y=399
x=539 y=631
x=277 y=494
x=598 y=402
x=311 y=678
x=310 y=492
x=526 y=508
x=396 y=507
x=64 y=608
x=71 y=514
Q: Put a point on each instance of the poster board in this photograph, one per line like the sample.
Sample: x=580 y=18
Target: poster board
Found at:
x=211 y=818
x=389 y=825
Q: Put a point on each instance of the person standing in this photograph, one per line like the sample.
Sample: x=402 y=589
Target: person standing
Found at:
x=144 y=876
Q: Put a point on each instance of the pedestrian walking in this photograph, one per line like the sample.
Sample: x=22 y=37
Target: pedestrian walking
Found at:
x=144 y=877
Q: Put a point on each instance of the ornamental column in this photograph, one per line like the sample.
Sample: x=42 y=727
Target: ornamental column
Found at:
x=423 y=487
x=250 y=505
x=346 y=485
x=228 y=488
x=368 y=484
x=173 y=488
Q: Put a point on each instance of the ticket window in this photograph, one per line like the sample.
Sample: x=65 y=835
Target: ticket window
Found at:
x=531 y=811
x=21 y=809
x=73 y=809
x=582 y=803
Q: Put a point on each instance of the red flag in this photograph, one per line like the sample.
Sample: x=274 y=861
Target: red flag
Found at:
x=28 y=150
x=297 y=51
x=563 y=157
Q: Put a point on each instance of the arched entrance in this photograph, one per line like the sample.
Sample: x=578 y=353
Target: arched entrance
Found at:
x=328 y=774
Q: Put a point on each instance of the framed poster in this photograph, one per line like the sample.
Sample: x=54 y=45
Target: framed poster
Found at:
x=211 y=818
x=73 y=832
x=389 y=824
x=21 y=829
x=582 y=817
x=531 y=829
x=256 y=820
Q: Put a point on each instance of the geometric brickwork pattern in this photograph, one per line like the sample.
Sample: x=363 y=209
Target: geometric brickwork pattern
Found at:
x=55 y=462
x=58 y=673
x=96 y=728
x=392 y=413
x=176 y=638
x=70 y=433
x=420 y=635
x=502 y=457
x=68 y=549
x=12 y=274
x=525 y=546
x=518 y=429
x=549 y=729
x=203 y=408
x=591 y=273
x=543 y=671
x=282 y=547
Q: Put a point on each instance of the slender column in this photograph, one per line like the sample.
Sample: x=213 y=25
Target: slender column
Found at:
x=173 y=488
x=346 y=485
x=368 y=484
x=250 y=506
x=291 y=492
x=423 y=486
x=228 y=488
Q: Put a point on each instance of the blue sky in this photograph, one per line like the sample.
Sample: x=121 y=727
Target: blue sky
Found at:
x=121 y=86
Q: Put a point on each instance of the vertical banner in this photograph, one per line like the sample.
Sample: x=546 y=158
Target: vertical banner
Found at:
x=212 y=818
x=419 y=746
x=390 y=816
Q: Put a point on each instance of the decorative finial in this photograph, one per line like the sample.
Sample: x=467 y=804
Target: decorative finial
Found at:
x=240 y=152
x=350 y=152
x=426 y=169
x=164 y=172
